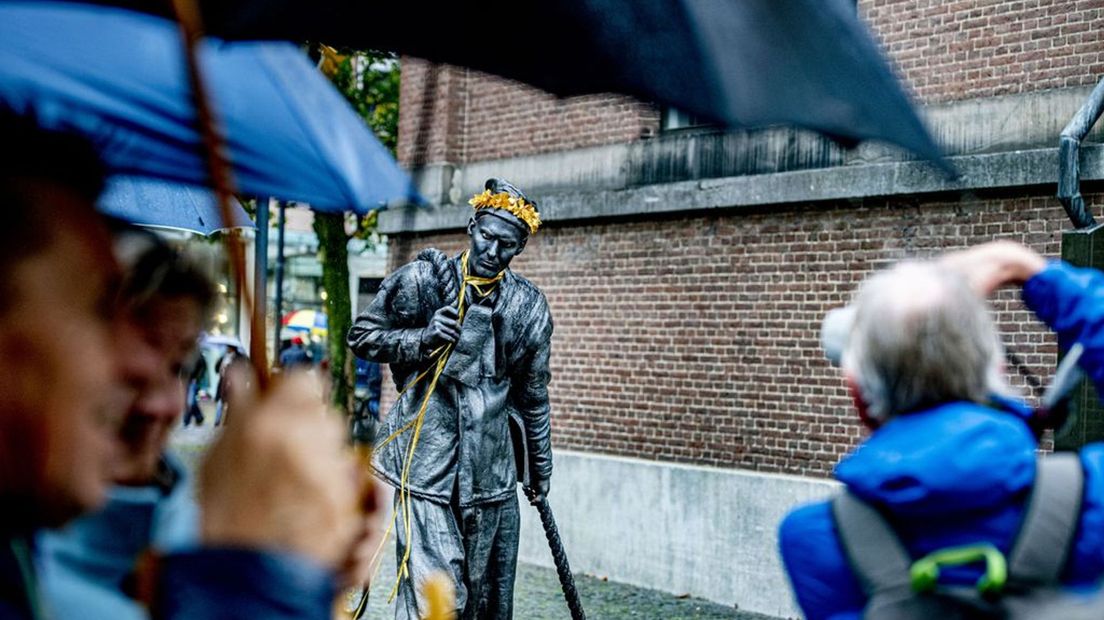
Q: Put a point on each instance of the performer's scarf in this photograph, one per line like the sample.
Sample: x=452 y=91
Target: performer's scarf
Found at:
x=483 y=287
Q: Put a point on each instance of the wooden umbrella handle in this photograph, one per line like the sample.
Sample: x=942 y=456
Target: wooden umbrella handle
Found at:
x=222 y=181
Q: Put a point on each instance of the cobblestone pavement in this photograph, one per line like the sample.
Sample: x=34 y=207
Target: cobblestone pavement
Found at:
x=189 y=442
x=537 y=595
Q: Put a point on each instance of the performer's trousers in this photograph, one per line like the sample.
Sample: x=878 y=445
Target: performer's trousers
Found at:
x=476 y=547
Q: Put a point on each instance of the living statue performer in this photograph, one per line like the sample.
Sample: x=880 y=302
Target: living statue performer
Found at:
x=468 y=343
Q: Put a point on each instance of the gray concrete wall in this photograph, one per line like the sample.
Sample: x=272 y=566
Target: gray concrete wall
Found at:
x=681 y=529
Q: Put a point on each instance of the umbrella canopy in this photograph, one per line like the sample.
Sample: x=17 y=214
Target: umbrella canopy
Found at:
x=222 y=341
x=743 y=63
x=159 y=204
x=310 y=321
x=119 y=77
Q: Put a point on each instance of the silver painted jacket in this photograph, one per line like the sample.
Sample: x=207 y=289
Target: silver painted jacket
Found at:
x=498 y=367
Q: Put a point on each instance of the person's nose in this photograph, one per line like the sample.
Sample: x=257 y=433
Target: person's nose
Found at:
x=164 y=399
x=136 y=360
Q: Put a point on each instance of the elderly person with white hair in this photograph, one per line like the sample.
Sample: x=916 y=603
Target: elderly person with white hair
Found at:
x=950 y=462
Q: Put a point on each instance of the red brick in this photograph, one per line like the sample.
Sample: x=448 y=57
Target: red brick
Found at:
x=945 y=51
x=696 y=340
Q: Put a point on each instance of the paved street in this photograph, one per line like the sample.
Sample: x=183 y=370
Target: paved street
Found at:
x=538 y=595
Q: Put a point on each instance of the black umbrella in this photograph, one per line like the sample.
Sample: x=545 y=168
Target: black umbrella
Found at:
x=742 y=63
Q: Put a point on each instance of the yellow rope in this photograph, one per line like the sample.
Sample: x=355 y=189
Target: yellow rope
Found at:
x=478 y=285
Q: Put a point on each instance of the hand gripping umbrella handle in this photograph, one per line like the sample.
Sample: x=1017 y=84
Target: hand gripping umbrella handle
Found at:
x=559 y=556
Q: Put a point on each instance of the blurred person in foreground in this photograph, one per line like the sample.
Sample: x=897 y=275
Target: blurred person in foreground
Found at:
x=89 y=565
x=951 y=461
x=58 y=408
x=278 y=519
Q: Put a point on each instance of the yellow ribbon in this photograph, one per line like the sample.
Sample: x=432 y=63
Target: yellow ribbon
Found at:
x=479 y=285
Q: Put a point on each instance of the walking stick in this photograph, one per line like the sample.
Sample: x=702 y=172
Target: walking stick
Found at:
x=551 y=532
x=559 y=555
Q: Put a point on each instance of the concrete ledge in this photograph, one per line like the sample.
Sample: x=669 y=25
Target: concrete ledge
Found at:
x=1037 y=167
x=681 y=529
x=982 y=136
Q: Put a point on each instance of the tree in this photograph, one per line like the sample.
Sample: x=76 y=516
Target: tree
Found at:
x=370 y=83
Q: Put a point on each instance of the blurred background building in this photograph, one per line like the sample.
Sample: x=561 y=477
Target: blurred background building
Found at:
x=302 y=288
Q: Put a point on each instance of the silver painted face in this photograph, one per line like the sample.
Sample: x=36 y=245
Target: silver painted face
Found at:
x=494 y=243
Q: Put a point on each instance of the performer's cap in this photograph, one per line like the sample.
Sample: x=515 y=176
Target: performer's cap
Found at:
x=501 y=198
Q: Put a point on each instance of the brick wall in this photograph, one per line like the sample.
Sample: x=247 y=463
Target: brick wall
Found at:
x=431 y=106
x=455 y=115
x=964 y=49
x=505 y=119
x=945 y=50
x=695 y=340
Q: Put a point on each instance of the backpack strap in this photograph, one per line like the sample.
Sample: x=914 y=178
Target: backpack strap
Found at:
x=1050 y=520
x=879 y=560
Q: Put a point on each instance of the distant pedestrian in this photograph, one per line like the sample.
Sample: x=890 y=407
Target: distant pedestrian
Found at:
x=296 y=355
x=369 y=384
x=226 y=387
x=197 y=380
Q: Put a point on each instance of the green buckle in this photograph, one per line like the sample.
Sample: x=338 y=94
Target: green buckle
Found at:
x=925 y=571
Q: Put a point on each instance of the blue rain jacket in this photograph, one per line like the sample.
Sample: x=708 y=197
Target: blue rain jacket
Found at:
x=85 y=566
x=958 y=473
x=231 y=584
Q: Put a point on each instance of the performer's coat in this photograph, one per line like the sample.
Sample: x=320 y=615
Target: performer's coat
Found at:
x=498 y=367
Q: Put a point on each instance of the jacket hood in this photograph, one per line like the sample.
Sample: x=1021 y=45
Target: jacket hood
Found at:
x=951 y=459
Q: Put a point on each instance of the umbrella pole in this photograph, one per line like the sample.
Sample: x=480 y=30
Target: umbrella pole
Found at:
x=257 y=339
x=218 y=164
x=187 y=14
x=278 y=311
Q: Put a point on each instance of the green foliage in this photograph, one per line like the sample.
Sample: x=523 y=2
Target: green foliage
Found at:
x=250 y=206
x=365 y=228
x=334 y=255
x=369 y=81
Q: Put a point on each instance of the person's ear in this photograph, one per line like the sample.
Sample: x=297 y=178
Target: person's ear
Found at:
x=471 y=226
x=521 y=244
x=861 y=406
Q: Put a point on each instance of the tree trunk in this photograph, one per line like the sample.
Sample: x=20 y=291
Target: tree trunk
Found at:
x=333 y=250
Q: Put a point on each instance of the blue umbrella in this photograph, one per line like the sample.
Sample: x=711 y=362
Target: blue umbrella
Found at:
x=223 y=341
x=160 y=204
x=119 y=77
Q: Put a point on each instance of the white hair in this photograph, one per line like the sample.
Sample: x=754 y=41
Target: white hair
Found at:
x=922 y=337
